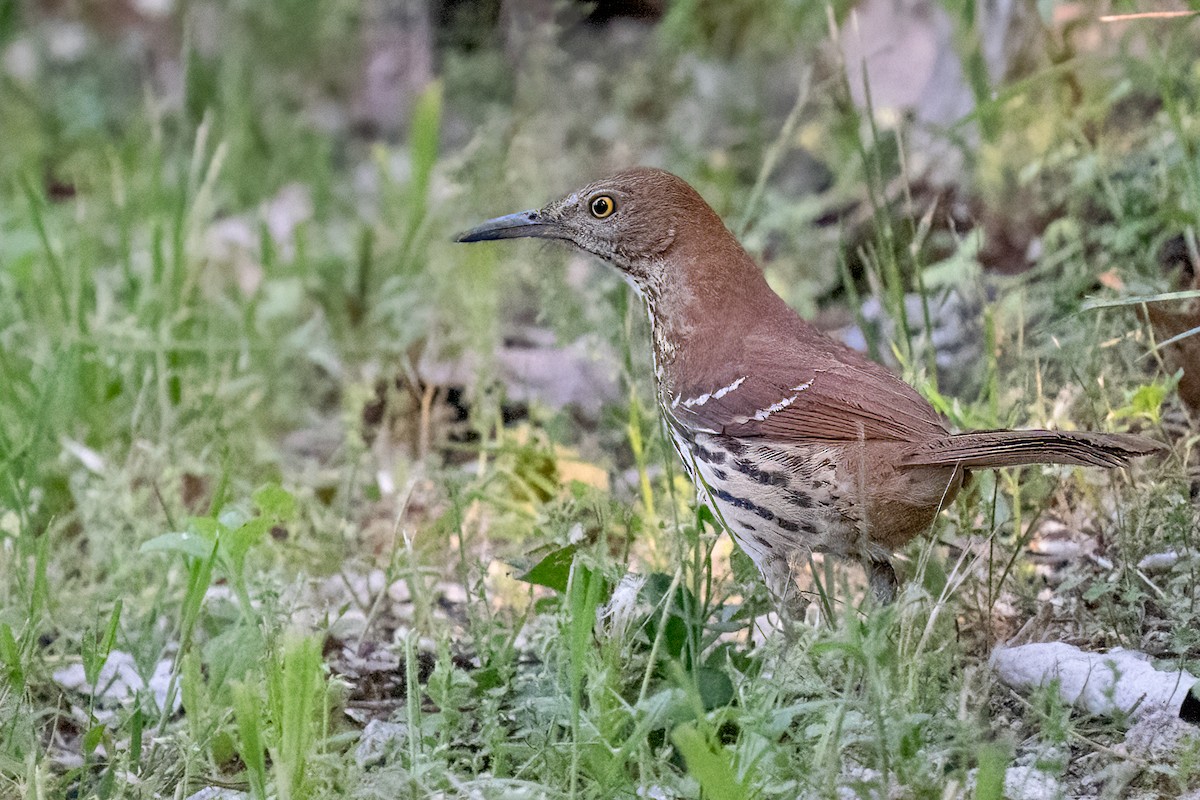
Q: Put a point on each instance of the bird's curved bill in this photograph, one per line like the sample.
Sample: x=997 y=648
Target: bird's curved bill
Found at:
x=512 y=226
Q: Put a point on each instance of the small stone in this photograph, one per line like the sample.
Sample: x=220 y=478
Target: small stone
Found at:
x=1027 y=783
x=21 y=61
x=1064 y=549
x=655 y=793
x=1160 y=736
x=452 y=593
x=1156 y=563
x=154 y=8
x=219 y=593
x=67 y=42
x=379 y=739
x=217 y=793
x=369 y=658
x=376 y=581
x=332 y=590
x=160 y=685
x=398 y=592
x=117 y=682
x=350 y=625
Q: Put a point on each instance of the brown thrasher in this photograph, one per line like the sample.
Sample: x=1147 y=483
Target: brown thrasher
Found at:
x=801 y=443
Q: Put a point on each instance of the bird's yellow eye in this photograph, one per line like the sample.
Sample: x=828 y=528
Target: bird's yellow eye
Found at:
x=602 y=206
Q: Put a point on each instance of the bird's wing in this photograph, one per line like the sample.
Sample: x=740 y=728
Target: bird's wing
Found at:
x=1004 y=448
x=838 y=398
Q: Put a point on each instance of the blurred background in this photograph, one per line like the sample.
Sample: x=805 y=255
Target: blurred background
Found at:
x=282 y=179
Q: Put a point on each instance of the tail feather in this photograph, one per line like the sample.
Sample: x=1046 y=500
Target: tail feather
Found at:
x=989 y=449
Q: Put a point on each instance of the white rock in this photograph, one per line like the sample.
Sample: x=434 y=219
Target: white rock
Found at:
x=376 y=581
x=655 y=793
x=155 y=8
x=21 y=61
x=452 y=593
x=1101 y=683
x=398 y=592
x=217 y=793
x=1027 y=783
x=333 y=590
x=160 y=683
x=377 y=740
x=67 y=42
x=119 y=681
x=10 y=523
x=351 y=625
x=1159 y=562
x=1057 y=548
x=854 y=777
x=291 y=207
x=91 y=460
x=1160 y=736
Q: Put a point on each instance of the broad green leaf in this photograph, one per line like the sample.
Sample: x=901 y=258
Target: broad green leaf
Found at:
x=554 y=570
x=716 y=689
x=667 y=707
x=182 y=542
x=275 y=501
x=709 y=763
x=212 y=529
x=239 y=541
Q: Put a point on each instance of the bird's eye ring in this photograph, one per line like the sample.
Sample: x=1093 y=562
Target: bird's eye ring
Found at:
x=602 y=206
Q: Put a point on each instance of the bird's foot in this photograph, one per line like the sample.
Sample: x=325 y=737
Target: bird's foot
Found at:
x=883 y=581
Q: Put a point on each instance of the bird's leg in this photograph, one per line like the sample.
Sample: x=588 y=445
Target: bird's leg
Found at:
x=781 y=584
x=882 y=579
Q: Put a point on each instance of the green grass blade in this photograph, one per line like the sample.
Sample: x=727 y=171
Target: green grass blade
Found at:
x=247 y=711
x=709 y=763
x=1092 y=303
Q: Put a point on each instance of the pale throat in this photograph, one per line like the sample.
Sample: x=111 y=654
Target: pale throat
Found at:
x=664 y=300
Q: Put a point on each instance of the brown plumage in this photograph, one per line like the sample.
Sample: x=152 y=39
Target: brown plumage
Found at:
x=799 y=442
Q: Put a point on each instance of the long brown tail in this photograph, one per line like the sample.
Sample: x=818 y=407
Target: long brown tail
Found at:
x=985 y=449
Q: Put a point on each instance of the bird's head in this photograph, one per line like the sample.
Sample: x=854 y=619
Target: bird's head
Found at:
x=632 y=220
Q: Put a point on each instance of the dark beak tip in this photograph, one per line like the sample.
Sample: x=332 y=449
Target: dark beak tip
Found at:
x=476 y=235
x=523 y=224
